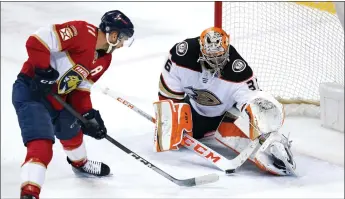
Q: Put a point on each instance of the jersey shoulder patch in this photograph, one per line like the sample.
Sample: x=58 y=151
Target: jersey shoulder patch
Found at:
x=237 y=69
x=181 y=48
x=77 y=31
x=186 y=54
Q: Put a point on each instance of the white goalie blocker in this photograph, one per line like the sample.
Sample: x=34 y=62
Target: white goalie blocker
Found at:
x=264 y=116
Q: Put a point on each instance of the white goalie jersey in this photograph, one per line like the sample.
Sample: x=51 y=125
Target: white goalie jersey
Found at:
x=211 y=94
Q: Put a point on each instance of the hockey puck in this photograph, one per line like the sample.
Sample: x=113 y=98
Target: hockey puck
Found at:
x=230 y=171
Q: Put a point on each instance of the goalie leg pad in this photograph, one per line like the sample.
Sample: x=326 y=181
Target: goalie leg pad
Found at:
x=172 y=120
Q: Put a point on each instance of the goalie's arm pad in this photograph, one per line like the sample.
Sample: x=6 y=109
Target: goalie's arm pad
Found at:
x=172 y=120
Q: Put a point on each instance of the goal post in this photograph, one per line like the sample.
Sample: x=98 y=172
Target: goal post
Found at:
x=293 y=47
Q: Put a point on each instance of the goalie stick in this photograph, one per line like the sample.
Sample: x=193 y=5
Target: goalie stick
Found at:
x=205 y=179
x=226 y=165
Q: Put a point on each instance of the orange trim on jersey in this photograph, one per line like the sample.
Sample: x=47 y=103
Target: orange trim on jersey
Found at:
x=41 y=41
x=57 y=38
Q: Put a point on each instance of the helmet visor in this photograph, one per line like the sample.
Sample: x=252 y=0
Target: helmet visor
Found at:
x=127 y=40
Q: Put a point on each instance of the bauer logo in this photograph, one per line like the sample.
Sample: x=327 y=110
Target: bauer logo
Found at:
x=181 y=48
x=239 y=65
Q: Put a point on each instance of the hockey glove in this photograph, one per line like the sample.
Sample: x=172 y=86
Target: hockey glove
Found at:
x=43 y=81
x=95 y=127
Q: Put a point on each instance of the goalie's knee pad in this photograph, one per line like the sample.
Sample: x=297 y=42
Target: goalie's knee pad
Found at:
x=172 y=120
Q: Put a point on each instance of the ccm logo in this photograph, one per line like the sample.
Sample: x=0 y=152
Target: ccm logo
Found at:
x=47 y=82
x=125 y=102
x=201 y=150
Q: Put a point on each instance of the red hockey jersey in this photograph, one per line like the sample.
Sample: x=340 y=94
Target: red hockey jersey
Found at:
x=70 y=48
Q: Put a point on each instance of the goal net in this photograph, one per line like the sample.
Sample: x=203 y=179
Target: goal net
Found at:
x=292 y=47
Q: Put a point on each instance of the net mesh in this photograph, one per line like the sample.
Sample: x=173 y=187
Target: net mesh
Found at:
x=292 y=48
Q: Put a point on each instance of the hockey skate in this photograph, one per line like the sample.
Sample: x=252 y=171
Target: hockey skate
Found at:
x=90 y=168
x=27 y=197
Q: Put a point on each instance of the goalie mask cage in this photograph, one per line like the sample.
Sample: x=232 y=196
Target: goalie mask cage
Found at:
x=291 y=46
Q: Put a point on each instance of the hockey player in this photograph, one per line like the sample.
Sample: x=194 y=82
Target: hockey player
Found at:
x=65 y=59
x=204 y=87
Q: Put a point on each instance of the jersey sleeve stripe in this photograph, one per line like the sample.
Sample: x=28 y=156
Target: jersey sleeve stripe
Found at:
x=162 y=97
x=42 y=42
x=167 y=88
x=93 y=33
x=57 y=37
x=166 y=93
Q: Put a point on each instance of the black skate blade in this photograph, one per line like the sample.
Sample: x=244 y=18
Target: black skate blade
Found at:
x=81 y=174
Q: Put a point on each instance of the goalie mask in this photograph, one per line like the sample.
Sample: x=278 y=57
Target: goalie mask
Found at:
x=214 y=47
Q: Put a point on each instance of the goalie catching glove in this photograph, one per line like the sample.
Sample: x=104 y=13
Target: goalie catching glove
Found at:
x=266 y=116
x=172 y=120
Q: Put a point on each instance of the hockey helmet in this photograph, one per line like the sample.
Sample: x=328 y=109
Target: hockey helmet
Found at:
x=214 y=47
x=115 y=20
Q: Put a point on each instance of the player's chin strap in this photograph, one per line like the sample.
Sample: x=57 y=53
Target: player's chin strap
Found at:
x=111 y=45
x=194 y=145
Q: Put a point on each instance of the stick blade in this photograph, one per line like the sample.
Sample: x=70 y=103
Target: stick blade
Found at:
x=210 y=178
x=201 y=180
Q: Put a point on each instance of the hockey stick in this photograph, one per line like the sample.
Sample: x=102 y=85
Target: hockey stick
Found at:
x=186 y=182
x=229 y=166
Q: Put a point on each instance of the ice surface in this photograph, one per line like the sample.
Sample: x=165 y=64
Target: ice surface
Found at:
x=135 y=72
